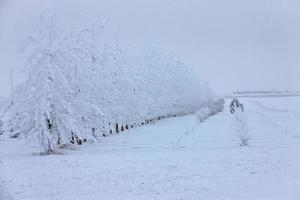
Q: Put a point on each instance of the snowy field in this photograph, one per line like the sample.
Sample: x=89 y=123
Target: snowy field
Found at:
x=173 y=159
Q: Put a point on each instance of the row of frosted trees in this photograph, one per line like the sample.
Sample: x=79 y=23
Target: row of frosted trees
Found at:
x=79 y=89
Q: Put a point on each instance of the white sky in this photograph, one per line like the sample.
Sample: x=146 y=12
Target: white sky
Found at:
x=233 y=44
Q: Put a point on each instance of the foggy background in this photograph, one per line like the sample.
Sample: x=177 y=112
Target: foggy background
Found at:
x=233 y=44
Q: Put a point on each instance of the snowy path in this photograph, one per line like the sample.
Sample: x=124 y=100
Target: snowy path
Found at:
x=174 y=159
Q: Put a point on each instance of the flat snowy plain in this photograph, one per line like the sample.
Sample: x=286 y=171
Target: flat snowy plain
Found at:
x=173 y=159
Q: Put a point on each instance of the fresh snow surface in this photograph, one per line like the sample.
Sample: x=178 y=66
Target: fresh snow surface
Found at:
x=173 y=159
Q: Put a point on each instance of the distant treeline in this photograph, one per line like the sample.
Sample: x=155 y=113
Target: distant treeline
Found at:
x=265 y=92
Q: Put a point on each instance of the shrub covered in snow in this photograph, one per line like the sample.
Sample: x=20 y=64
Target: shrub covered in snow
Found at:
x=203 y=114
x=209 y=109
x=1 y=127
x=240 y=126
x=78 y=90
x=217 y=106
x=236 y=105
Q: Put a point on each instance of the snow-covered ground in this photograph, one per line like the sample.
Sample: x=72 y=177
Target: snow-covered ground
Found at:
x=173 y=159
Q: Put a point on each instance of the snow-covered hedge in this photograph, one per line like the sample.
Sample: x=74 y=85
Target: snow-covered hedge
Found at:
x=1 y=127
x=2 y=113
x=78 y=89
x=209 y=109
x=240 y=126
x=203 y=114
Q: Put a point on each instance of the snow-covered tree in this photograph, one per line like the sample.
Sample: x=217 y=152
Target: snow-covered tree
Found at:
x=43 y=106
x=51 y=106
x=79 y=89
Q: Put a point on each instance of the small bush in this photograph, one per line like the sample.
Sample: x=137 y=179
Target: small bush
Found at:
x=240 y=123
x=210 y=109
x=203 y=114
x=1 y=128
x=217 y=106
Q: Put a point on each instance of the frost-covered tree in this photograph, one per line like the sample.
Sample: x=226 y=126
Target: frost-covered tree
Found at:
x=49 y=107
x=79 y=89
x=48 y=115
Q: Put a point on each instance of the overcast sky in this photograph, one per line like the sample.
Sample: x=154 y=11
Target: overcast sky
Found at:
x=233 y=44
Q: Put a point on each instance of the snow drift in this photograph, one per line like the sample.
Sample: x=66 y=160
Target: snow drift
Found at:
x=79 y=89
